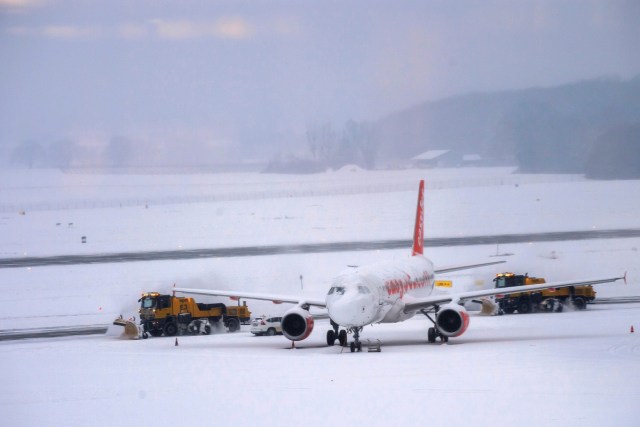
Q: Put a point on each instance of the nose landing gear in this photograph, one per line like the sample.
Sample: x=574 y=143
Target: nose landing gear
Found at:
x=356 y=345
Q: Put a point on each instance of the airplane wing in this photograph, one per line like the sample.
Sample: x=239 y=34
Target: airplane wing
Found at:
x=449 y=269
x=420 y=303
x=276 y=299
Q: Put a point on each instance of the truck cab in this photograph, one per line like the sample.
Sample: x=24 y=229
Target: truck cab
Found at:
x=508 y=280
x=153 y=300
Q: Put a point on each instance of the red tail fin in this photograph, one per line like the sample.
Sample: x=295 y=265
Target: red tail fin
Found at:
x=418 y=235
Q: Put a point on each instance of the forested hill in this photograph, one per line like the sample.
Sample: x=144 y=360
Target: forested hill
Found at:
x=588 y=127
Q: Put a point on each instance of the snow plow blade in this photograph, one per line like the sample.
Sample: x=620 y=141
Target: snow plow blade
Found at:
x=489 y=307
x=130 y=328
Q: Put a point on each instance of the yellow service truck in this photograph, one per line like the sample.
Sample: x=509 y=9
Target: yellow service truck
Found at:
x=544 y=300
x=169 y=315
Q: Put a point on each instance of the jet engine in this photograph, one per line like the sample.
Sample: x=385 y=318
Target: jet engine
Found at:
x=452 y=320
x=297 y=324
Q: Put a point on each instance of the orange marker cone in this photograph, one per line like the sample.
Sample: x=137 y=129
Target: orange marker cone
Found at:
x=176 y=341
x=631 y=331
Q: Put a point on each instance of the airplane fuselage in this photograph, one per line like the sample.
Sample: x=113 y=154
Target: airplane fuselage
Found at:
x=378 y=293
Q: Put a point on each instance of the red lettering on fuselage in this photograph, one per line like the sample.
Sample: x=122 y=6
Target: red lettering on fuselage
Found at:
x=400 y=286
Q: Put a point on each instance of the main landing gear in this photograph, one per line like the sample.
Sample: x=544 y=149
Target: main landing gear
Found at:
x=434 y=333
x=335 y=333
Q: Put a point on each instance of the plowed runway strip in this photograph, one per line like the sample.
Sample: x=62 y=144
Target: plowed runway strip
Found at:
x=313 y=248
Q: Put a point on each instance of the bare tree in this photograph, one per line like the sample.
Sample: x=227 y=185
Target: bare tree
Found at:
x=60 y=153
x=322 y=141
x=118 y=152
x=358 y=145
x=28 y=153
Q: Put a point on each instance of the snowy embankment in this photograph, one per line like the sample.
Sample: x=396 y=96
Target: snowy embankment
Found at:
x=570 y=368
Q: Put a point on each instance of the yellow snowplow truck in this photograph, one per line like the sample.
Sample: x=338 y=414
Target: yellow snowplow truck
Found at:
x=170 y=315
x=546 y=300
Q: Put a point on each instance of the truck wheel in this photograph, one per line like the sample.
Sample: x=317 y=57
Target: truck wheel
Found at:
x=524 y=307
x=233 y=324
x=509 y=310
x=156 y=332
x=207 y=329
x=145 y=335
x=170 y=329
x=579 y=303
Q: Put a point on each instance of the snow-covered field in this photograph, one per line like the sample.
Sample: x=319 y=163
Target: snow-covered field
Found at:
x=562 y=369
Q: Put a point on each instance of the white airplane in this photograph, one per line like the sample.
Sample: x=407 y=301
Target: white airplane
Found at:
x=388 y=292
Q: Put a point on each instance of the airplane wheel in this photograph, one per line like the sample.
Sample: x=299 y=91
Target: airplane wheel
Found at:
x=431 y=335
x=342 y=337
x=331 y=337
x=353 y=347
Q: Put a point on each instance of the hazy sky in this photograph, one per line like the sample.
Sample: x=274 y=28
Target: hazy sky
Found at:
x=238 y=70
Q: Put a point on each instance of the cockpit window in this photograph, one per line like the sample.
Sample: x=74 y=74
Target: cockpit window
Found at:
x=336 y=290
x=363 y=290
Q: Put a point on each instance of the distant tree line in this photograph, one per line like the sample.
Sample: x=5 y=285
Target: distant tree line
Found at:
x=616 y=154
x=119 y=152
x=545 y=141
x=65 y=153
x=31 y=154
x=331 y=149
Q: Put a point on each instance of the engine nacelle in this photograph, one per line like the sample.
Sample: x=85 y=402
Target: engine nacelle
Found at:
x=452 y=320
x=297 y=324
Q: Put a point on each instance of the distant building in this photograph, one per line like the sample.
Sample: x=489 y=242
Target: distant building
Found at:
x=436 y=158
x=472 y=160
x=446 y=159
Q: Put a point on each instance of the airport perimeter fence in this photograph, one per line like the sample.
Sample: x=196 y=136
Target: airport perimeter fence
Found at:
x=283 y=191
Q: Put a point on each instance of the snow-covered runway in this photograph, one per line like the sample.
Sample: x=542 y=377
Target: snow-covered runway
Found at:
x=570 y=368
x=567 y=368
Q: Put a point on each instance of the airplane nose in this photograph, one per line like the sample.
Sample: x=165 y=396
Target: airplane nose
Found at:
x=352 y=312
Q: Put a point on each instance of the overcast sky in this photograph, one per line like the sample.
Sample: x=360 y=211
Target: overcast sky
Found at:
x=233 y=70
